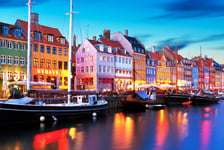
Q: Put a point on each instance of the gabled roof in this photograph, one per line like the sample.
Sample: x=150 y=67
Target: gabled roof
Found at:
x=113 y=44
x=11 y=35
x=156 y=56
x=44 y=30
x=134 y=41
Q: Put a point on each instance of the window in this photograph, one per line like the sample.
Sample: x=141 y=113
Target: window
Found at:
x=35 y=47
x=87 y=49
x=100 y=58
x=50 y=38
x=129 y=60
x=112 y=60
x=35 y=78
x=5 y=30
x=65 y=65
x=42 y=47
x=18 y=33
x=59 y=64
x=54 y=64
x=112 y=69
x=22 y=61
x=65 y=52
x=108 y=68
x=91 y=68
x=16 y=60
x=16 y=45
x=119 y=59
x=104 y=58
x=108 y=59
x=35 y=62
x=54 y=50
x=65 y=81
x=21 y=75
x=9 y=44
x=104 y=68
x=41 y=78
x=60 y=51
x=37 y=35
x=82 y=69
x=3 y=59
x=9 y=60
x=15 y=76
x=42 y=63
x=3 y=43
x=82 y=59
x=22 y=46
x=91 y=58
x=48 y=49
x=83 y=50
x=87 y=69
x=49 y=64
x=100 y=68
x=62 y=40
x=9 y=75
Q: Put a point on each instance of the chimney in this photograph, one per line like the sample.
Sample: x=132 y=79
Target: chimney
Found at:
x=167 y=46
x=94 y=38
x=126 y=32
x=153 y=49
x=106 y=34
x=35 y=18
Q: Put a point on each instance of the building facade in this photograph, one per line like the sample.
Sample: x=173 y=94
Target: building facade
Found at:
x=13 y=51
x=49 y=53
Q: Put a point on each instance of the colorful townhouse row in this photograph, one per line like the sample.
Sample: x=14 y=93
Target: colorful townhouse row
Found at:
x=113 y=62
x=49 y=53
x=120 y=63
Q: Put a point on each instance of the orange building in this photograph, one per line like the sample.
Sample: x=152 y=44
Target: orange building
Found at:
x=49 y=53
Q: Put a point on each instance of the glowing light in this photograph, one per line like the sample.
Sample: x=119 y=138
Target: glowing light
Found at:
x=72 y=132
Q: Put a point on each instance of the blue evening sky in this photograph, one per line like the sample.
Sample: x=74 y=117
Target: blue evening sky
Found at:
x=189 y=23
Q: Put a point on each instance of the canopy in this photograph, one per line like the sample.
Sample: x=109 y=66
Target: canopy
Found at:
x=31 y=83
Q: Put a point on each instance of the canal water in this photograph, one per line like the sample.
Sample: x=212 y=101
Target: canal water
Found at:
x=174 y=128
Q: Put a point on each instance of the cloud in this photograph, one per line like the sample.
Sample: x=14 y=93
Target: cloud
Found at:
x=17 y=3
x=143 y=37
x=191 y=9
x=182 y=43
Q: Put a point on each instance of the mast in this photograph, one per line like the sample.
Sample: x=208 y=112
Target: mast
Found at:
x=70 y=54
x=176 y=68
x=28 y=45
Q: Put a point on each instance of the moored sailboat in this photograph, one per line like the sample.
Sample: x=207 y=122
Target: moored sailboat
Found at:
x=28 y=109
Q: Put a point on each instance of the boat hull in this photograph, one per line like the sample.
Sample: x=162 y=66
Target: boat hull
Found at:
x=204 y=100
x=26 y=113
x=177 y=99
x=134 y=104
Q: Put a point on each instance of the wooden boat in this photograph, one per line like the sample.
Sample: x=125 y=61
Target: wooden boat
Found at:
x=177 y=99
x=28 y=109
x=138 y=101
x=205 y=97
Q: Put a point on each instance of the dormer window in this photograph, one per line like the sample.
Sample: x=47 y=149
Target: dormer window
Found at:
x=50 y=38
x=101 y=48
x=18 y=33
x=109 y=49
x=62 y=40
x=115 y=49
x=5 y=29
x=37 y=35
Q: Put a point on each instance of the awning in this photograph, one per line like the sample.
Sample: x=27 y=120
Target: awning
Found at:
x=106 y=80
x=90 y=79
x=111 y=80
x=84 y=80
x=102 y=79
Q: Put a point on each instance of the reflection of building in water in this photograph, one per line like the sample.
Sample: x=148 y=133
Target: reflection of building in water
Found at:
x=162 y=130
x=122 y=131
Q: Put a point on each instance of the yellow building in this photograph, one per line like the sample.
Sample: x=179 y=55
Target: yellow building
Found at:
x=49 y=53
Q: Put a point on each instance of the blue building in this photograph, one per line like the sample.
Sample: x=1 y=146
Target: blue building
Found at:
x=195 y=78
x=150 y=69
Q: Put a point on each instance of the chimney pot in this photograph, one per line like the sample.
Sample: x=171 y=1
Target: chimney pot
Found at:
x=126 y=32
x=94 y=38
x=153 y=49
x=106 y=34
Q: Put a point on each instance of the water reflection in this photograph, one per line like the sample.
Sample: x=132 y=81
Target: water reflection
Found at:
x=188 y=127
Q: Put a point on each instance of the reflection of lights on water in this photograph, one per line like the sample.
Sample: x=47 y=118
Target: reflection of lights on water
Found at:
x=161 y=115
x=205 y=133
x=207 y=109
x=123 y=130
